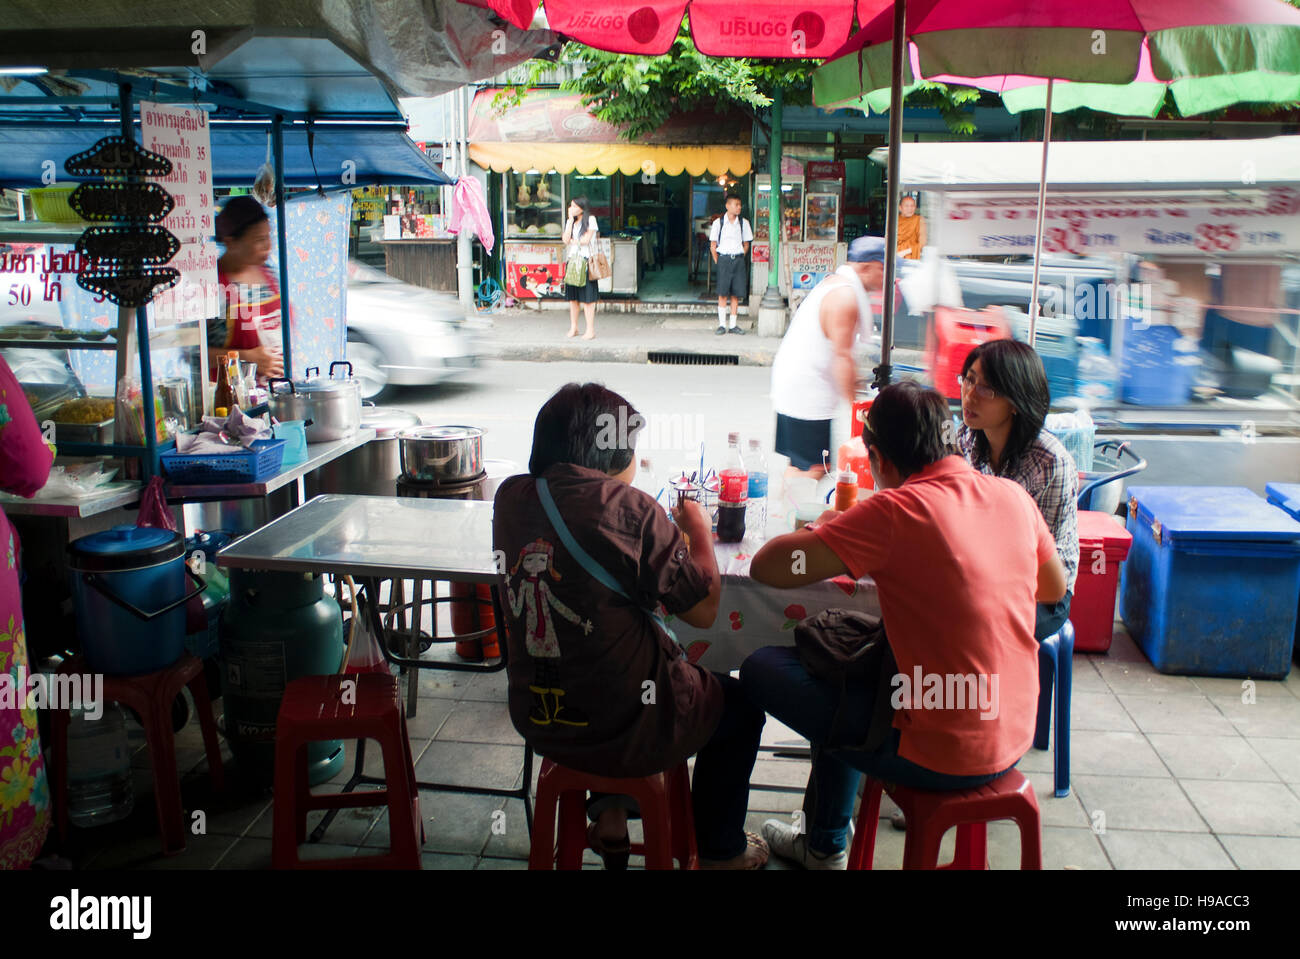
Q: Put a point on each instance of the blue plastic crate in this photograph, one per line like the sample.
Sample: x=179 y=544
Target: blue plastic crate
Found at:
x=1212 y=584
x=1056 y=346
x=260 y=462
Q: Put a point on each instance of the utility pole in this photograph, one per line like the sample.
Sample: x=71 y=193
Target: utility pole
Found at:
x=771 y=310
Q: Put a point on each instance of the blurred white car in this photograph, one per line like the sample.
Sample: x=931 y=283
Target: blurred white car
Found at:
x=404 y=335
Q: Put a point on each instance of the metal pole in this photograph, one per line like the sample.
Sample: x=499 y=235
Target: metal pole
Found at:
x=1042 y=213
x=282 y=241
x=150 y=460
x=464 y=242
x=772 y=306
x=898 y=51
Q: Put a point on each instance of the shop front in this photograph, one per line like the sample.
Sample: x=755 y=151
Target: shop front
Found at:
x=649 y=198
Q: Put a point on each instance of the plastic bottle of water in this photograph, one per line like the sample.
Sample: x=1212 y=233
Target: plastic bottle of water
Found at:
x=756 y=506
x=99 y=768
x=645 y=479
x=1098 y=375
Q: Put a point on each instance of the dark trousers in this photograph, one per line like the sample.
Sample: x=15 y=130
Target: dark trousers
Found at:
x=776 y=679
x=720 y=791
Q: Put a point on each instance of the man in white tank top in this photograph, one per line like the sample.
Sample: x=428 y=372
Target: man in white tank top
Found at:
x=814 y=368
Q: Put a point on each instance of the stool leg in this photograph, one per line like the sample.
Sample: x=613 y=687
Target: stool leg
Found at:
x=203 y=704
x=573 y=830
x=403 y=802
x=1064 y=680
x=863 y=850
x=287 y=826
x=166 y=785
x=1047 y=656
x=972 y=846
x=656 y=824
x=541 y=853
x=921 y=848
x=1031 y=846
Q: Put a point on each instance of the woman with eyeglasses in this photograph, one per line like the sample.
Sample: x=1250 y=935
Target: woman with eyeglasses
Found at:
x=1004 y=403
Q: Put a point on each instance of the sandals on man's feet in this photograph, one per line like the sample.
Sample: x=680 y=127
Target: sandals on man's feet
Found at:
x=754 y=857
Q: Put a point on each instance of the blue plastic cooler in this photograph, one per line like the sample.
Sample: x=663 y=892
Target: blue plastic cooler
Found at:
x=1286 y=496
x=1212 y=583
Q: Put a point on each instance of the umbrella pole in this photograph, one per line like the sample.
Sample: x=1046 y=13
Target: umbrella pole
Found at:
x=898 y=51
x=282 y=242
x=1042 y=212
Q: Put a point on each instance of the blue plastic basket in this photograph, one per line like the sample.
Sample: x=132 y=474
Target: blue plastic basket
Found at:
x=260 y=462
x=1078 y=441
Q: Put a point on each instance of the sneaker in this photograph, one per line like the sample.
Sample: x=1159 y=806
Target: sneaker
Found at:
x=737 y=330
x=788 y=844
x=720 y=331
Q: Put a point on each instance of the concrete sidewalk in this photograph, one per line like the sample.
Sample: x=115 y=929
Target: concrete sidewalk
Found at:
x=539 y=335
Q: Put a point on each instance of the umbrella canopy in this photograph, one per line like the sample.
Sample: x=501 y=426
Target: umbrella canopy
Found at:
x=1099 y=42
x=720 y=28
x=1145 y=96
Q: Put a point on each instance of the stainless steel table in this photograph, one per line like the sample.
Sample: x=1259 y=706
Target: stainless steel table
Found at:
x=381 y=537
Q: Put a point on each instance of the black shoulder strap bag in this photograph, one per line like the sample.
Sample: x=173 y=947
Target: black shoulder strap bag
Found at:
x=840 y=647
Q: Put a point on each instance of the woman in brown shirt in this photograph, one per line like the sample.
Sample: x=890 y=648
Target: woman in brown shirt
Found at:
x=595 y=683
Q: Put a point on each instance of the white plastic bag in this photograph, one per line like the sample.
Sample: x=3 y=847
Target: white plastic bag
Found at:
x=933 y=283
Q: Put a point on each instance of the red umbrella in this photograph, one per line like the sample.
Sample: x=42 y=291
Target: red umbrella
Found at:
x=720 y=28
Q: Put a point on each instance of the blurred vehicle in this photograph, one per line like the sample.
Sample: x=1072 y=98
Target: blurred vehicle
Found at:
x=403 y=335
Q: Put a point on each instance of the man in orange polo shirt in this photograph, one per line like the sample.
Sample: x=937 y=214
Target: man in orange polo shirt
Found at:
x=959 y=558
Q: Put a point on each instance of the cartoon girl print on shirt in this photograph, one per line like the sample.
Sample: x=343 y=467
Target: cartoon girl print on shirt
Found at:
x=534 y=600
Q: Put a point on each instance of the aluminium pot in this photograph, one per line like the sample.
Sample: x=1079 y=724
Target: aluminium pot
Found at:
x=372 y=468
x=333 y=406
x=442 y=454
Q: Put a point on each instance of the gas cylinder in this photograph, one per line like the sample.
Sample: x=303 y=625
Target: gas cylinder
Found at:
x=276 y=628
x=471 y=611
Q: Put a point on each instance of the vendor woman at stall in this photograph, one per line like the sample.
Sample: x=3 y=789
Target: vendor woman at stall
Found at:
x=249 y=320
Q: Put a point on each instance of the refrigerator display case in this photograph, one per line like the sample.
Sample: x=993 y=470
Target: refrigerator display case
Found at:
x=792 y=191
x=534 y=205
x=822 y=217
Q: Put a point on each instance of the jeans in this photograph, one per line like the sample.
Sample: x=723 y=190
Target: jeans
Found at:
x=775 y=679
x=720 y=790
x=1050 y=617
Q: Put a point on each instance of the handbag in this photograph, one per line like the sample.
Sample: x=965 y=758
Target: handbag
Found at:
x=589 y=564
x=575 y=274
x=598 y=267
x=839 y=647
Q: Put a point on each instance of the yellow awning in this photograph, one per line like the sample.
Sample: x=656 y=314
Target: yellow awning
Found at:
x=608 y=158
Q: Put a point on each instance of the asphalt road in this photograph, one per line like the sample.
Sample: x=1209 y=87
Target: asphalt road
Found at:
x=683 y=405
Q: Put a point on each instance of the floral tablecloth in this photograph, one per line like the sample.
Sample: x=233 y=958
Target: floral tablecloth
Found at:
x=752 y=615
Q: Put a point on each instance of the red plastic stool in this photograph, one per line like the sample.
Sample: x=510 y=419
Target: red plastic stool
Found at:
x=314 y=709
x=664 y=799
x=931 y=814
x=151 y=696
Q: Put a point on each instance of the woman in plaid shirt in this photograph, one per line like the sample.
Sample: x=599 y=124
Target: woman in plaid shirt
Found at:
x=1004 y=402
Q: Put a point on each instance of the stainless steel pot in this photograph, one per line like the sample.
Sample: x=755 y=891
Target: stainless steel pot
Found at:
x=442 y=454
x=372 y=468
x=332 y=405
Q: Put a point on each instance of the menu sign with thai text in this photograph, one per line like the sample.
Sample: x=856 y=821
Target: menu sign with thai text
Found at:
x=181 y=135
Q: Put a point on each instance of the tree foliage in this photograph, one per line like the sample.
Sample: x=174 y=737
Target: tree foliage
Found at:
x=639 y=93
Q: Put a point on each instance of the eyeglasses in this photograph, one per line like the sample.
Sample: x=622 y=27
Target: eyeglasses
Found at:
x=982 y=390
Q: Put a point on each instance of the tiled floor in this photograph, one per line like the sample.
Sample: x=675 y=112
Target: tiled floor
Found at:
x=1169 y=772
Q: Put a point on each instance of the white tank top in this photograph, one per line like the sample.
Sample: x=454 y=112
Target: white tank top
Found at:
x=802 y=386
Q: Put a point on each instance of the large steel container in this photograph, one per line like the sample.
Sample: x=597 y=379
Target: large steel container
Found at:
x=372 y=468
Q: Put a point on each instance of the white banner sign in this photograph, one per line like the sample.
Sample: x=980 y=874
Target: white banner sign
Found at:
x=1253 y=222
x=181 y=135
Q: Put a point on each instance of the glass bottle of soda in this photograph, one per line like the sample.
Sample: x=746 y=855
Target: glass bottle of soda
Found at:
x=733 y=493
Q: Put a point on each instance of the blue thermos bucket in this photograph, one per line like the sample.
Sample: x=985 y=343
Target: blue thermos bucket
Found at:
x=129 y=593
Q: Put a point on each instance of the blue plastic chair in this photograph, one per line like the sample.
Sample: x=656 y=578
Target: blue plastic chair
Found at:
x=1056 y=669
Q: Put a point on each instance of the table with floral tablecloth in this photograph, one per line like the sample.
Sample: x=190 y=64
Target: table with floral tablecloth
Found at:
x=752 y=615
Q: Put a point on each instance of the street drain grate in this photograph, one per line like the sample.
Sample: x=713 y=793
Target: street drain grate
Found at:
x=693 y=359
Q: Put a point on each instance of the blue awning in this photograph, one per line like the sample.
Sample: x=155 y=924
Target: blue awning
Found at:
x=344 y=155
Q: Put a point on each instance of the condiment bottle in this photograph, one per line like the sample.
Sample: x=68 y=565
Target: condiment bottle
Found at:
x=846 y=490
x=224 y=396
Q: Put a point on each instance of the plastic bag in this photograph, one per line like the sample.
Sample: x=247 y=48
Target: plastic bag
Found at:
x=363 y=654
x=130 y=412
x=933 y=283
x=576 y=272
x=153 y=507
x=264 y=183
